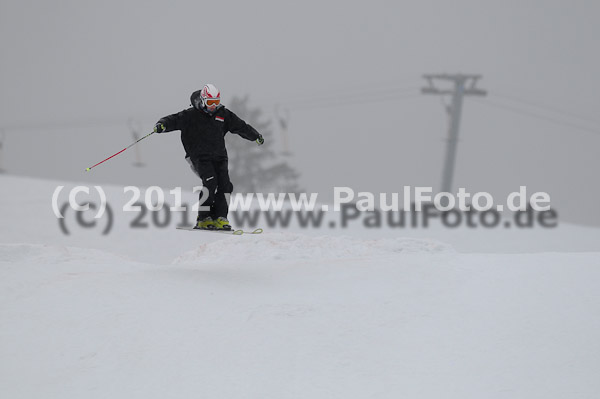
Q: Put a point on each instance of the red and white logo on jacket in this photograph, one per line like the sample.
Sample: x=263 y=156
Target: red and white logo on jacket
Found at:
x=219 y=118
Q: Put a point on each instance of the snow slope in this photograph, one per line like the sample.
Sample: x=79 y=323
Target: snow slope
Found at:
x=289 y=314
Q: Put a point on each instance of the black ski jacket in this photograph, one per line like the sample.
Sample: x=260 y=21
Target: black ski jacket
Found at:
x=203 y=134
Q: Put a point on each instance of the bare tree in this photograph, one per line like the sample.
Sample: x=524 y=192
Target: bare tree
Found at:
x=253 y=168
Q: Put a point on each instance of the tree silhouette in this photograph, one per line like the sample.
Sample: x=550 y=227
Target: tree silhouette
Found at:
x=253 y=168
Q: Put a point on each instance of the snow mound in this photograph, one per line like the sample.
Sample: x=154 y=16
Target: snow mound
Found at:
x=297 y=247
x=45 y=254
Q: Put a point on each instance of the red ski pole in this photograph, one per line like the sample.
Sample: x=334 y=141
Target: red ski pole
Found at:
x=131 y=145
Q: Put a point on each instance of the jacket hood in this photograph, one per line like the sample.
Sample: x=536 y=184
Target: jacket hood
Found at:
x=194 y=98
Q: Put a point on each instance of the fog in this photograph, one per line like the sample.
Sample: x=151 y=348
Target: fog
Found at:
x=77 y=75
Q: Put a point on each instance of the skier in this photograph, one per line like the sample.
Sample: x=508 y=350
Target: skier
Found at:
x=203 y=128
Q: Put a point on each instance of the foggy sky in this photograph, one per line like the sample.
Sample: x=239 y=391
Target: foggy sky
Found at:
x=87 y=65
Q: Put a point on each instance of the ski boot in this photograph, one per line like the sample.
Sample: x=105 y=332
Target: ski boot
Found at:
x=222 y=224
x=206 y=224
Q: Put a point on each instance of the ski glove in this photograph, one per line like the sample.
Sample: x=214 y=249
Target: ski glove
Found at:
x=260 y=140
x=159 y=128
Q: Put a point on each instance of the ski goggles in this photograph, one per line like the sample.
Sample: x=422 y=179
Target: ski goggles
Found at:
x=213 y=101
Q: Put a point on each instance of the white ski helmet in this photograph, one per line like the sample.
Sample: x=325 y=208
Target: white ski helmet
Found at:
x=210 y=97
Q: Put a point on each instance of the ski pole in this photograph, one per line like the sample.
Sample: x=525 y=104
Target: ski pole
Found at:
x=131 y=145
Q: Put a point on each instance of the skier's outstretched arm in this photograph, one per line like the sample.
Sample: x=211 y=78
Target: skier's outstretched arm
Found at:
x=170 y=123
x=238 y=126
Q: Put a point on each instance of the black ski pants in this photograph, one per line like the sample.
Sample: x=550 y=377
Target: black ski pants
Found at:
x=215 y=177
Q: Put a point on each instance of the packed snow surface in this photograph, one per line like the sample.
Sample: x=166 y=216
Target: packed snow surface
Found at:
x=292 y=313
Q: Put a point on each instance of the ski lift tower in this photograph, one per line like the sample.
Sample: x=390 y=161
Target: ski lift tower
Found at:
x=134 y=128
x=464 y=85
x=2 y=137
